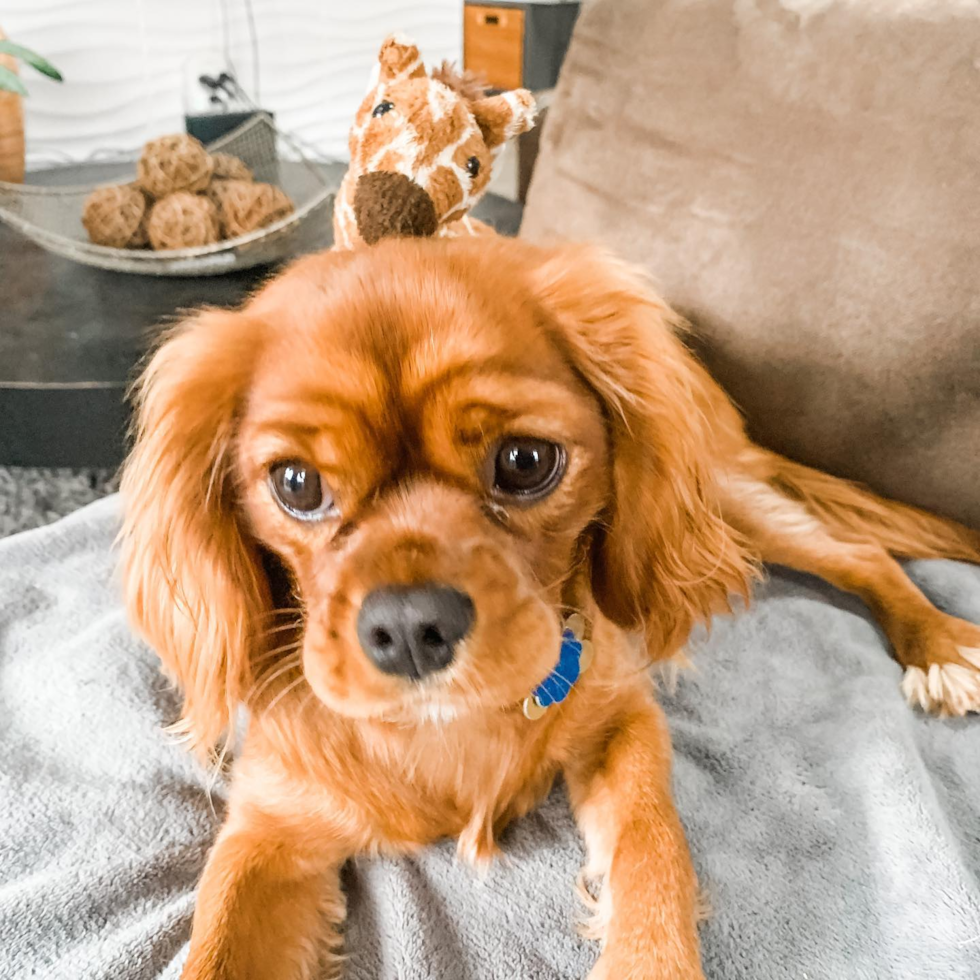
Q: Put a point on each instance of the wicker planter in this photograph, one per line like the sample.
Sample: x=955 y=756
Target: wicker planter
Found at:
x=11 y=128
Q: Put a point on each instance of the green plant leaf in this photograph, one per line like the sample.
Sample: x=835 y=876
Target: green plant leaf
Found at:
x=9 y=82
x=31 y=58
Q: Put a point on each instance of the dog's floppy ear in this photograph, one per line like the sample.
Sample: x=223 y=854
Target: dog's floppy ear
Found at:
x=663 y=558
x=192 y=577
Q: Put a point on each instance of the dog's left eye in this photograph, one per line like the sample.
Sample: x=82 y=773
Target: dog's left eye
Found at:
x=527 y=468
x=300 y=491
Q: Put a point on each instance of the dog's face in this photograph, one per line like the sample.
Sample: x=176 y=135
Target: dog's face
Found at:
x=421 y=456
x=439 y=442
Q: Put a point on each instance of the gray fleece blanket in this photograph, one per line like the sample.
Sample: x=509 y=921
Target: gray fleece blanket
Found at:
x=837 y=833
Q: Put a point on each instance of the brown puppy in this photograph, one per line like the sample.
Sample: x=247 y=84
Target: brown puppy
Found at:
x=361 y=506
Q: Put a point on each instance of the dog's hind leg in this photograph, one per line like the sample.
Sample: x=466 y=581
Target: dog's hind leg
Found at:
x=807 y=520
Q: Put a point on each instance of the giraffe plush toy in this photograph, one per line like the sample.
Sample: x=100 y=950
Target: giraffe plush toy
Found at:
x=421 y=147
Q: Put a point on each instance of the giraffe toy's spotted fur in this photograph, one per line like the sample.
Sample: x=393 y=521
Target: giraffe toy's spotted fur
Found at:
x=429 y=140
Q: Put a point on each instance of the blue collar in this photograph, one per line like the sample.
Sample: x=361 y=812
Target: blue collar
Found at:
x=573 y=661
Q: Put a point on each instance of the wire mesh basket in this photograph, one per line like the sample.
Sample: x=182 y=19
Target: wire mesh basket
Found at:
x=52 y=216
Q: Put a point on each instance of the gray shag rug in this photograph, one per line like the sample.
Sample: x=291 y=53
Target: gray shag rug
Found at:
x=30 y=497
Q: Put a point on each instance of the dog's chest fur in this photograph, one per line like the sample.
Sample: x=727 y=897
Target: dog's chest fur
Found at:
x=386 y=788
x=381 y=787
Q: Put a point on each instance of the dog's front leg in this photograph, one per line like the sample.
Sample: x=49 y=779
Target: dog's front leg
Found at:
x=269 y=904
x=647 y=906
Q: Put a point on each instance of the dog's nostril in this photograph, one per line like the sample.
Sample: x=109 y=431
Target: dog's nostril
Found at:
x=432 y=637
x=382 y=638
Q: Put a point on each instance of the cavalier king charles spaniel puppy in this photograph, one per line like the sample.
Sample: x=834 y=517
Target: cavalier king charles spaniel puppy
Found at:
x=394 y=505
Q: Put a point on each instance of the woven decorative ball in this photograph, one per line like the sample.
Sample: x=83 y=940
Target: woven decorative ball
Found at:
x=217 y=190
x=141 y=237
x=183 y=220
x=227 y=167
x=246 y=207
x=174 y=163
x=112 y=215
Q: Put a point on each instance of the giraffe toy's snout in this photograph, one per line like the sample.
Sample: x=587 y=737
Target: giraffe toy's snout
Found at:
x=389 y=204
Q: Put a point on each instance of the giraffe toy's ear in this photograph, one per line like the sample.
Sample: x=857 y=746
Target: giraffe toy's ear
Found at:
x=502 y=116
x=399 y=58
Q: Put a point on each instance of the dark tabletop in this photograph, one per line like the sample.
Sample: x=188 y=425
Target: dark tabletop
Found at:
x=71 y=336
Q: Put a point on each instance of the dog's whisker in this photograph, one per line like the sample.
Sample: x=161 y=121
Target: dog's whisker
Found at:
x=563 y=579
x=292 y=662
x=307 y=701
x=280 y=611
x=286 y=646
x=216 y=769
x=281 y=627
x=263 y=663
x=276 y=651
x=291 y=686
x=288 y=654
x=558 y=582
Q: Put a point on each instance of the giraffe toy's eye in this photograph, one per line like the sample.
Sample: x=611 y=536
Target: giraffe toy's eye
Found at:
x=382 y=107
x=473 y=166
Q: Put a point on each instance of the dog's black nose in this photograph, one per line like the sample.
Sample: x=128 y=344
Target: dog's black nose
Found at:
x=413 y=630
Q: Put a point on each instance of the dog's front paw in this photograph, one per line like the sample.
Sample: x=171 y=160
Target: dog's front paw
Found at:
x=619 y=965
x=942 y=668
x=477 y=846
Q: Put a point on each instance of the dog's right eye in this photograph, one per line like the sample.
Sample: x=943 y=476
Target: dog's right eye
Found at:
x=300 y=491
x=382 y=108
x=527 y=468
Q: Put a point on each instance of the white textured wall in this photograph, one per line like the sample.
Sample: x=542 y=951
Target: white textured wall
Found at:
x=124 y=62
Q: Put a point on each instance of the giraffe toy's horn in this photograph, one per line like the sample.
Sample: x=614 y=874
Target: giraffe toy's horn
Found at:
x=399 y=57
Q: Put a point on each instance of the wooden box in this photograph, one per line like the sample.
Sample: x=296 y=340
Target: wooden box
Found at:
x=517 y=45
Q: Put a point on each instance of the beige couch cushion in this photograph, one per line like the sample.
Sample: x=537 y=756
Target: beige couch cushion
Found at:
x=802 y=178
